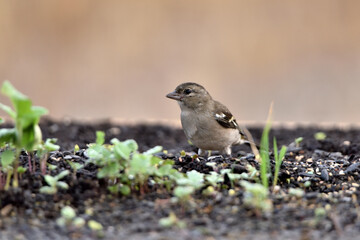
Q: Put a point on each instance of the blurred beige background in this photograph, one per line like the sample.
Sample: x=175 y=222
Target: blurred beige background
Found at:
x=118 y=59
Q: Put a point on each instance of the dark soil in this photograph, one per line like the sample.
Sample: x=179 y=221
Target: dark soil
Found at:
x=329 y=208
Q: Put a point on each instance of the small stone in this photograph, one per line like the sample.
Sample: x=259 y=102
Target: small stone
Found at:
x=324 y=175
x=352 y=167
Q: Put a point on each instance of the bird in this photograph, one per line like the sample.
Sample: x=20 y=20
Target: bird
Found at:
x=207 y=123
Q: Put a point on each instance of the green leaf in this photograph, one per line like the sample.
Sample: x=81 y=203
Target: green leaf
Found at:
x=50 y=180
x=110 y=170
x=8 y=110
x=48 y=190
x=164 y=170
x=183 y=191
x=214 y=178
x=62 y=174
x=320 y=136
x=62 y=185
x=7 y=158
x=140 y=164
x=75 y=165
x=125 y=190
x=193 y=179
x=38 y=111
x=68 y=213
x=153 y=150
x=95 y=226
x=21 y=170
x=100 y=137
x=264 y=154
x=76 y=148
x=124 y=149
x=50 y=144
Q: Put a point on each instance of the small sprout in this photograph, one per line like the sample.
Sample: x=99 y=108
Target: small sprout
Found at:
x=320 y=212
x=256 y=196
x=75 y=167
x=320 y=136
x=182 y=153
x=21 y=170
x=76 y=148
x=52 y=167
x=298 y=141
x=54 y=183
x=307 y=184
x=95 y=226
x=171 y=221
x=231 y=192
x=89 y=211
x=68 y=218
x=193 y=179
x=183 y=193
x=279 y=156
x=7 y=158
x=68 y=213
x=214 y=178
x=209 y=191
x=78 y=222
x=297 y=192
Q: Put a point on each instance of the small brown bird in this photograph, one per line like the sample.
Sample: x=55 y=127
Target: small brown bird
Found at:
x=207 y=123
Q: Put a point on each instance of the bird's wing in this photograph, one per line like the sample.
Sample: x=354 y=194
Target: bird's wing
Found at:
x=224 y=117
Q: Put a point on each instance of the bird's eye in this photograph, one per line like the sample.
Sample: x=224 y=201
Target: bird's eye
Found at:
x=187 y=91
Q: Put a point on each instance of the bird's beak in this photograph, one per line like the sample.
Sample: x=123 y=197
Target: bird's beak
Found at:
x=174 y=95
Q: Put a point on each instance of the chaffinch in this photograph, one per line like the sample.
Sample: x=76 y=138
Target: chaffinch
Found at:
x=207 y=123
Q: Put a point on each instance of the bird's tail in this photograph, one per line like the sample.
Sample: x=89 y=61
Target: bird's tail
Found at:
x=246 y=137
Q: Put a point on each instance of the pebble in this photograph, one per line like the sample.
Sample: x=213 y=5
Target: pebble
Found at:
x=352 y=167
x=324 y=175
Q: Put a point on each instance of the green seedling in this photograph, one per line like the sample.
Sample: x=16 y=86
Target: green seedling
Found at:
x=214 y=179
x=193 y=179
x=75 y=167
x=171 y=221
x=68 y=218
x=256 y=196
x=265 y=155
x=187 y=184
x=298 y=141
x=264 y=152
x=43 y=152
x=26 y=134
x=296 y=192
x=96 y=227
x=320 y=136
x=279 y=156
x=6 y=159
x=183 y=193
x=54 y=183
x=233 y=177
x=122 y=164
x=76 y=148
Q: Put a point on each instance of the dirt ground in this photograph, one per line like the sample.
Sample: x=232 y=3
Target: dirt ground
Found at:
x=327 y=170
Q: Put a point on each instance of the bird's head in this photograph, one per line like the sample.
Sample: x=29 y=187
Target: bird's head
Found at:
x=190 y=95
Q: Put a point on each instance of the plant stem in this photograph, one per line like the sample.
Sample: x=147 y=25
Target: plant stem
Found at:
x=15 y=183
x=8 y=179
x=29 y=163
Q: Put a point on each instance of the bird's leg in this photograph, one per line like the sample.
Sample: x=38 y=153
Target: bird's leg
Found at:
x=227 y=151
x=201 y=152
